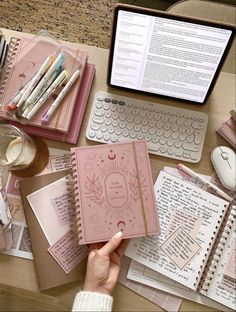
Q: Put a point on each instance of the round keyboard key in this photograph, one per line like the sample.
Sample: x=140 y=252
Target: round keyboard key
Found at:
x=144 y=129
x=188 y=122
x=113 y=108
x=157 y=117
x=189 y=131
x=98 y=120
x=130 y=119
x=122 y=124
x=164 y=118
x=147 y=137
x=179 y=153
x=107 y=100
x=115 y=123
x=106 y=137
x=118 y=131
x=144 y=122
x=172 y=120
x=140 y=136
x=107 y=122
x=106 y=106
x=190 y=138
x=94 y=126
x=159 y=124
x=137 y=128
x=99 y=112
x=163 y=149
x=159 y=132
x=103 y=128
x=122 y=117
x=167 y=126
x=114 y=139
x=182 y=136
x=174 y=128
x=175 y=135
x=115 y=115
x=129 y=126
x=132 y=134
x=186 y=155
x=178 y=144
x=125 y=132
x=163 y=141
x=137 y=120
x=170 y=142
x=108 y=114
x=152 y=131
x=99 y=105
x=98 y=135
x=152 y=123
x=111 y=130
x=155 y=139
x=180 y=121
x=170 y=151
x=167 y=134
x=91 y=134
x=182 y=129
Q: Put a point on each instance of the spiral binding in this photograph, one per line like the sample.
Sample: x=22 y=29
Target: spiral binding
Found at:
x=211 y=260
x=73 y=190
x=4 y=73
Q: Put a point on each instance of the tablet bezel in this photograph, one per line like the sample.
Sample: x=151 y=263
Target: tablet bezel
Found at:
x=141 y=10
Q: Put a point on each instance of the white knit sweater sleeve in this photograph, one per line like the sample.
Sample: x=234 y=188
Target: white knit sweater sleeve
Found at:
x=92 y=301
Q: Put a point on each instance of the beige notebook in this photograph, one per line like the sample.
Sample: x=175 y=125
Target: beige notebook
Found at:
x=49 y=273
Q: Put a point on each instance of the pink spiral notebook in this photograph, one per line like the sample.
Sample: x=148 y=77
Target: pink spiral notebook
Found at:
x=27 y=57
x=113 y=191
x=77 y=118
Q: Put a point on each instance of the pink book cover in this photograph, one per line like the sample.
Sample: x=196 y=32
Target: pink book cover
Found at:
x=115 y=191
x=77 y=118
x=29 y=56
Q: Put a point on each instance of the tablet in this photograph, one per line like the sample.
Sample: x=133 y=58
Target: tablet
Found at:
x=163 y=54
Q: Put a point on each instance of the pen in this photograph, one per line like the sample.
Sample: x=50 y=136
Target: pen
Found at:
x=56 y=83
x=11 y=105
x=205 y=182
x=47 y=115
x=35 y=80
x=55 y=65
x=26 y=110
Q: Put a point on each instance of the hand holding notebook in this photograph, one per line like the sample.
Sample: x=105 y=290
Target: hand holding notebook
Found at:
x=113 y=191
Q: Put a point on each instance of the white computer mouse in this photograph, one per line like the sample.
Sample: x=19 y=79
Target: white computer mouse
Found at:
x=223 y=159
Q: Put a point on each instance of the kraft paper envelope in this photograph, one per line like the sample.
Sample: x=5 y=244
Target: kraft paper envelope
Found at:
x=49 y=273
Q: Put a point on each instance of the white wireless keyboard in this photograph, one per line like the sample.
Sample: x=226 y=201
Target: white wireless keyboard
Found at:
x=169 y=131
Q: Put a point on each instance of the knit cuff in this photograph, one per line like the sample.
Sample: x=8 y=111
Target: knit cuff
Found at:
x=92 y=301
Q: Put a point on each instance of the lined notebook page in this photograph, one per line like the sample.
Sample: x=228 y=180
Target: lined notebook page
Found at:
x=188 y=219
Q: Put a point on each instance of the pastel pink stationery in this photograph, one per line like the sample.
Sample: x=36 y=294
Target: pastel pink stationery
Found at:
x=77 y=118
x=28 y=57
x=114 y=191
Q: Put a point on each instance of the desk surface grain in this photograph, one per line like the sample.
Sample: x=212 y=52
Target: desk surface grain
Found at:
x=18 y=280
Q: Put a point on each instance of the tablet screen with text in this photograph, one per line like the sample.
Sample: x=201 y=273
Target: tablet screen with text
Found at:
x=167 y=55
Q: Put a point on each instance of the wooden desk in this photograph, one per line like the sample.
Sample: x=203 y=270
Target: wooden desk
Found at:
x=18 y=282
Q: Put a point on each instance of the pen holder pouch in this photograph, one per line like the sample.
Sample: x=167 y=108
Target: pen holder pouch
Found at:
x=24 y=60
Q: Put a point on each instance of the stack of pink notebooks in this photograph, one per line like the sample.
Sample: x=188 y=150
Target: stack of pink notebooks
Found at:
x=66 y=121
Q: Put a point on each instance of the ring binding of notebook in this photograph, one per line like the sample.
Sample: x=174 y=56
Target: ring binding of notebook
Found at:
x=74 y=198
x=214 y=255
x=4 y=72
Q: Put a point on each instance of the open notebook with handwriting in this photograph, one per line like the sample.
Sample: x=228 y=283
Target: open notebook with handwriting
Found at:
x=196 y=247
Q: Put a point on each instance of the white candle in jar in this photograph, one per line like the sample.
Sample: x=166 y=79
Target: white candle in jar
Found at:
x=20 y=151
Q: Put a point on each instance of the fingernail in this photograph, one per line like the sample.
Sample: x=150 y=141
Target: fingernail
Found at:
x=118 y=235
